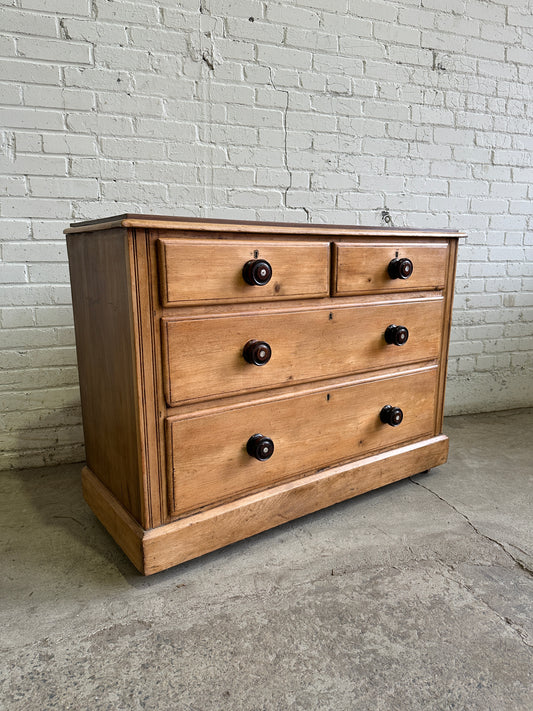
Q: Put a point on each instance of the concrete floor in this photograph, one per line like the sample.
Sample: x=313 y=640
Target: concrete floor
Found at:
x=416 y=596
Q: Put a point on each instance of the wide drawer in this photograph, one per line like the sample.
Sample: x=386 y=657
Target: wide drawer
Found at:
x=203 y=357
x=208 y=458
x=211 y=271
x=364 y=267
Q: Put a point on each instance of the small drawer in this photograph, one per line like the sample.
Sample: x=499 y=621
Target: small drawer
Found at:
x=363 y=268
x=230 y=271
x=213 y=456
x=215 y=356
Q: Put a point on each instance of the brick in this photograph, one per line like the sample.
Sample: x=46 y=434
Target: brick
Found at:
x=512 y=158
x=69 y=143
x=17 y=317
x=31 y=118
x=114 y=169
x=486 y=49
x=55 y=97
x=255 y=31
x=320 y=41
x=490 y=206
x=282 y=56
x=286 y=15
x=70 y=7
x=234 y=8
x=21 y=207
x=128 y=12
x=386 y=71
x=499 y=70
x=13 y=274
x=13 y=186
x=373 y=10
x=468 y=187
x=66 y=187
x=520 y=19
x=458 y=25
x=361 y=47
x=443 y=41
x=122 y=58
x=8 y=47
x=100 y=33
x=61 y=51
x=133 y=149
x=338 y=6
x=255 y=198
x=159 y=129
x=454 y=136
x=15 y=69
x=245 y=116
x=28 y=23
x=386 y=111
x=346 y=25
x=416 y=17
x=10 y=93
x=508 y=190
x=266 y=177
x=48 y=273
x=397 y=33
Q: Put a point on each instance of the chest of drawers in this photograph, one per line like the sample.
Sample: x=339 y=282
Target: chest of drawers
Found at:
x=237 y=375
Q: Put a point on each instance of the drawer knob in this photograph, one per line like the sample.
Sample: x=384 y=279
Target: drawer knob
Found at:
x=396 y=335
x=400 y=268
x=260 y=447
x=257 y=352
x=257 y=272
x=390 y=415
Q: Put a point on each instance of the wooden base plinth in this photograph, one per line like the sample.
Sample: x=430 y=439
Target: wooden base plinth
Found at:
x=173 y=543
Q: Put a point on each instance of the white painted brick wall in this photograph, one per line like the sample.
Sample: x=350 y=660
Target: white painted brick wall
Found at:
x=311 y=110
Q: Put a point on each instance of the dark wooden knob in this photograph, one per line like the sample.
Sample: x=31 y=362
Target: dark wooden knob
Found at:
x=257 y=272
x=260 y=447
x=390 y=415
x=400 y=268
x=257 y=352
x=396 y=335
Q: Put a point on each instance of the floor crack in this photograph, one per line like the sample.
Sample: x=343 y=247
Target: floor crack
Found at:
x=521 y=564
x=506 y=620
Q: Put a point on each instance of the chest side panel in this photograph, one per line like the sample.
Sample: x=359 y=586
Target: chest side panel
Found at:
x=102 y=303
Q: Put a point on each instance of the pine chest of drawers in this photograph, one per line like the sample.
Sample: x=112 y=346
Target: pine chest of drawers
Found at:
x=237 y=375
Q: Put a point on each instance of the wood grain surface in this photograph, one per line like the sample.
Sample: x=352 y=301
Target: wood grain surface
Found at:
x=210 y=271
x=206 y=531
x=208 y=461
x=203 y=357
x=102 y=303
x=361 y=267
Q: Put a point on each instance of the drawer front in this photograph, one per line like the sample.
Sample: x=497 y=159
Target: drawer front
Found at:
x=211 y=271
x=364 y=267
x=204 y=358
x=208 y=456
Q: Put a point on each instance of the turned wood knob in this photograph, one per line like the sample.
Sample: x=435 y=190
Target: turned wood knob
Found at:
x=257 y=272
x=396 y=335
x=390 y=415
x=400 y=268
x=260 y=447
x=257 y=352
